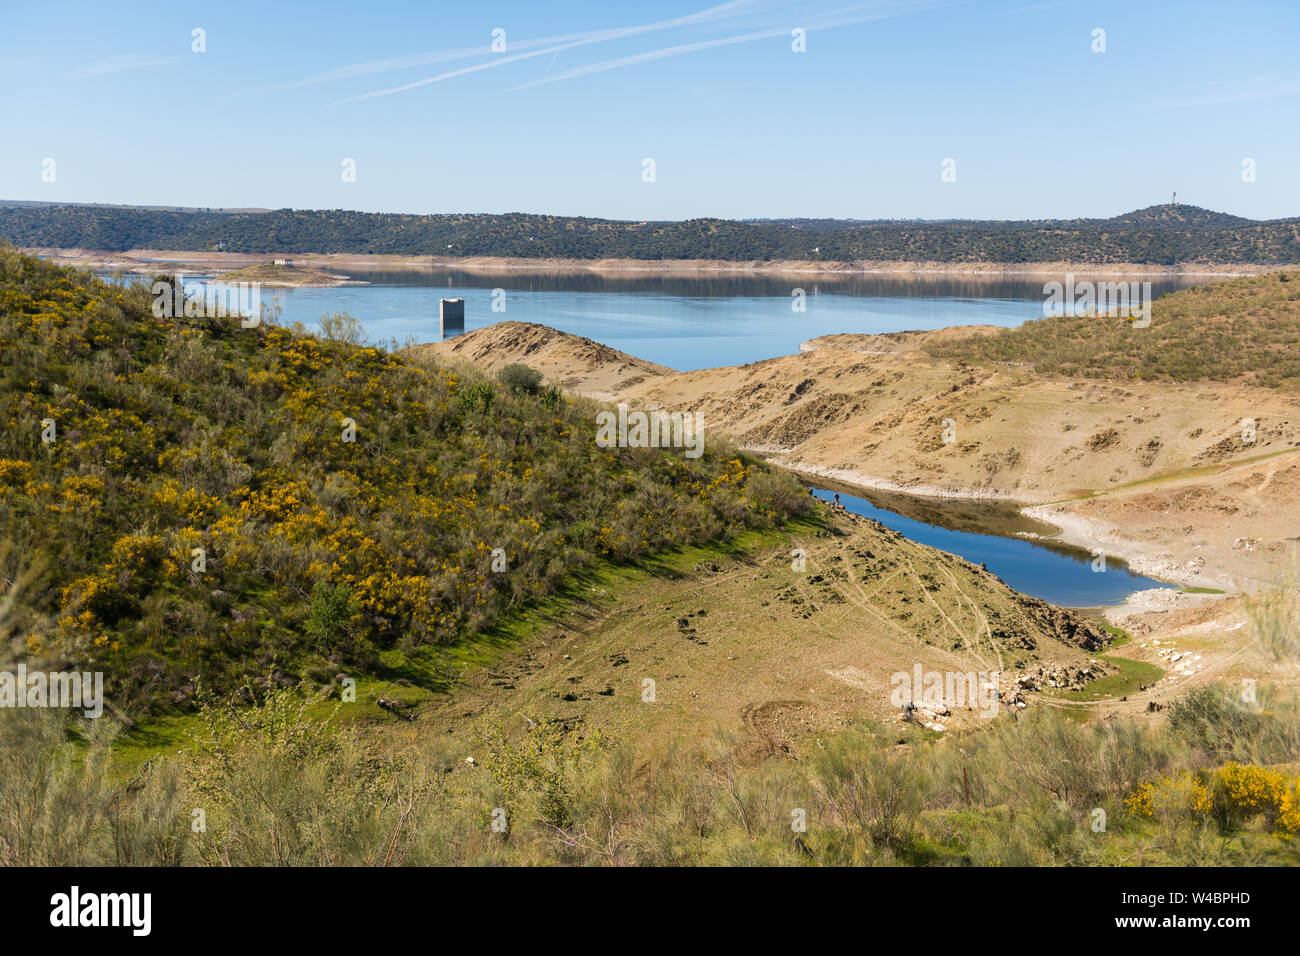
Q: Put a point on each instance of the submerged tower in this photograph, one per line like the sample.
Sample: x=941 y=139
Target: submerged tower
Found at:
x=451 y=317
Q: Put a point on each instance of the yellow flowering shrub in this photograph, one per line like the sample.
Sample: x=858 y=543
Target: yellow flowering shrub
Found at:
x=13 y=474
x=1234 y=792
x=1288 y=818
x=1245 y=791
x=1171 y=796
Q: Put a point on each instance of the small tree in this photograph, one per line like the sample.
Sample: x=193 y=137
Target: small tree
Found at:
x=520 y=378
x=342 y=327
x=330 y=618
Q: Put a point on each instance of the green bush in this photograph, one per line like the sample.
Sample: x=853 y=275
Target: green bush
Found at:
x=330 y=618
x=520 y=378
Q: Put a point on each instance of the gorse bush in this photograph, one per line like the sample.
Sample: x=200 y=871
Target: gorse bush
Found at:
x=221 y=501
x=1288 y=818
x=1243 y=792
x=1234 y=793
x=1172 y=797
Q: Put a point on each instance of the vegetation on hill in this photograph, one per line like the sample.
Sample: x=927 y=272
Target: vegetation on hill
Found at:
x=1243 y=330
x=353 y=509
x=1160 y=234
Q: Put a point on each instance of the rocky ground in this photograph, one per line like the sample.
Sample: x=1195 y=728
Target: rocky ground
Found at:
x=576 y=364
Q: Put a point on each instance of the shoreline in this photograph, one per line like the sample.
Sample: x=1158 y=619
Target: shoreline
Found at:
x=1088 y=534
x=1095 y=534
x=870 y=483
x=138 y=259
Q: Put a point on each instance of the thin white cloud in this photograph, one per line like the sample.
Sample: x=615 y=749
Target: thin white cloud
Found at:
x=354 y=70
x=652 y=55
x=1252 y=95
x=846 y=16
x=712 y=14
x=371 y=67
x=1035 y=7
x=118 y=64
x=21 y=63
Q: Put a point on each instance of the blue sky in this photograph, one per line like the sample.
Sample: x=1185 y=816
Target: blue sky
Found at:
x=737 y=123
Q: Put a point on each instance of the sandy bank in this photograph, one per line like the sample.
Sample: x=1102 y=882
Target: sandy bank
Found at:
x=1095 y=535
x=140 y=259
x=850 y=477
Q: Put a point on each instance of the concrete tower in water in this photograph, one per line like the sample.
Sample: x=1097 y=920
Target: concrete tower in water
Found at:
x=451 y=317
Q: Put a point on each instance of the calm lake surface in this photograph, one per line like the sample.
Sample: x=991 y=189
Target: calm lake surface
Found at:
x=686 y=324
x=1054 y=572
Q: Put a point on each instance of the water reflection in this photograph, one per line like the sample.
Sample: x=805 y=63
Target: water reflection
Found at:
x=985 y=533
x=686 y=323
x=971 y=288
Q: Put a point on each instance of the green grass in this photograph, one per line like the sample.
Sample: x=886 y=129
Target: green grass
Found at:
x=1119 y=636
x=280 y=789
x=426 y=676
x=1132 y=675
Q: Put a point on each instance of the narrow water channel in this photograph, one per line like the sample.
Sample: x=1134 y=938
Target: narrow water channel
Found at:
x=988 y=534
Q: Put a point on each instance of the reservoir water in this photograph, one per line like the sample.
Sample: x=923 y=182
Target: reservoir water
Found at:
x=985 y=533
x=686 y=324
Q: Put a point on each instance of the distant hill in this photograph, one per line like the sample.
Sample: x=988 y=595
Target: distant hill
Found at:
x=36 y=203
x=1159 y=235
x=1177 y=216
x=1244 y=331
